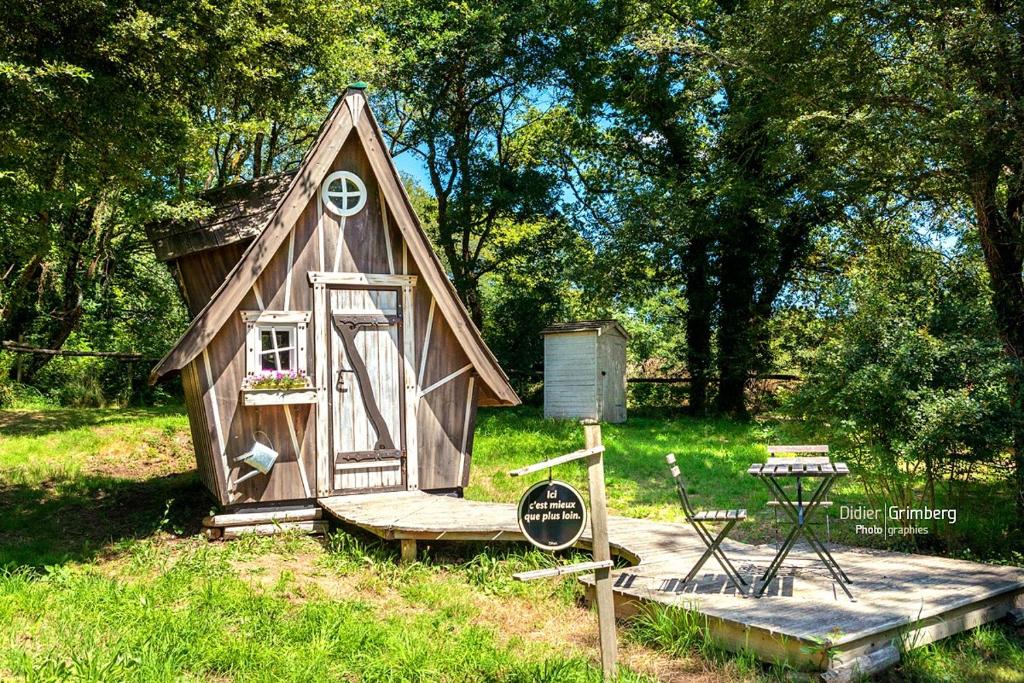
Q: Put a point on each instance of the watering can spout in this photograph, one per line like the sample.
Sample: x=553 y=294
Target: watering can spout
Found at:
x=260 y=458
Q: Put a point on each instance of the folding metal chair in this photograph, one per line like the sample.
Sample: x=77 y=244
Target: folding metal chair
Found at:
x=700 y=519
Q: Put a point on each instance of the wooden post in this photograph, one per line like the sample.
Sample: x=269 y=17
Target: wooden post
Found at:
x=602 y=552
x=408 y=550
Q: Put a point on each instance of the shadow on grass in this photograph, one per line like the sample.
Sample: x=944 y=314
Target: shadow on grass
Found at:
x=42 y=422
x=81 y=518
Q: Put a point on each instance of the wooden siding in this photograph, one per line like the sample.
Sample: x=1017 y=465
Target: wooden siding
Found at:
x=350 y=115
x=201 y=274
x=198 y=424
x=585 y=375
x=611 y=376
x=570 y=373
x=444 y=423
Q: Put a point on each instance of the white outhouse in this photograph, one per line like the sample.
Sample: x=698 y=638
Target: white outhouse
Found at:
x=585 y=370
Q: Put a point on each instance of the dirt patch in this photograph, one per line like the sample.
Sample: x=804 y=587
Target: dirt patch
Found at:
x=155 y=453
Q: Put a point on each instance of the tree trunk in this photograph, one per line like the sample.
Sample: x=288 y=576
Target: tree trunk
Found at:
x=64 y=319
x=1002 y=240
x=700 y=297
x=736 y=354
x=469 y=291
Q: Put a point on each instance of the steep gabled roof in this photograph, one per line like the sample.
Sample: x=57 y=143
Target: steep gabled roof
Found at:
x=343 y=120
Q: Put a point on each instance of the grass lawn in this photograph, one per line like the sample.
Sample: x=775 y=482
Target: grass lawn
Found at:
x=107 y=579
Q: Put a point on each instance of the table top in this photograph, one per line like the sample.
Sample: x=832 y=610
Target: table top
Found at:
x=831 y=469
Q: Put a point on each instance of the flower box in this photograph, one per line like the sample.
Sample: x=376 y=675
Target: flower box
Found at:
x=275 y=387
x=276 y=397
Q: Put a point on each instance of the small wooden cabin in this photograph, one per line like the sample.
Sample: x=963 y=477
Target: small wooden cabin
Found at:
x=585 y=370
x=325 y=273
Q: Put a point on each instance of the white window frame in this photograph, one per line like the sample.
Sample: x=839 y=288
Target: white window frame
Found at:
x=257 y=322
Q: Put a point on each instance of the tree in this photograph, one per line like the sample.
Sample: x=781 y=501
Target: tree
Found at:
x=945 y=124
x=459 y=90
x=117 y=113
x=709 y=106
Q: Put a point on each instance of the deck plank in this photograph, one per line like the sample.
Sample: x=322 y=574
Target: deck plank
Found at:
x=893 y=589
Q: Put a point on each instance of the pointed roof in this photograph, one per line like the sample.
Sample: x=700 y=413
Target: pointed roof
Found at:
x=351 y=115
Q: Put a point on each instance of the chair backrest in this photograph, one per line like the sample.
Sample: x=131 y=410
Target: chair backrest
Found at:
x=680 y=484
x=788 y=453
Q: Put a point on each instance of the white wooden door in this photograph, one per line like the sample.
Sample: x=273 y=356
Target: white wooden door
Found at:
x=366 y=376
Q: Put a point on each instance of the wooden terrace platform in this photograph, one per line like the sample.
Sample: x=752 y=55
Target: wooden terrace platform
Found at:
x=901 y=598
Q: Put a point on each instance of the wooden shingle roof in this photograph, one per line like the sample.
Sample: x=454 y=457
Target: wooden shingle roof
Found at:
x=240 y=211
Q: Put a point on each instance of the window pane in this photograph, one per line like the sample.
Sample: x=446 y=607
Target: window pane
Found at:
x=276 y=348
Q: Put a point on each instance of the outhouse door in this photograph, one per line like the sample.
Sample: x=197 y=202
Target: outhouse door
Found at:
x=367 y=399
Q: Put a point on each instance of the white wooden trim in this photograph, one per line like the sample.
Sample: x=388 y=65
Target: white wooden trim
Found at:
x=562 y=570
x=367 y=464
x=355 y=104
x=818 y=448
x=298 y=451
x=365 y=311
x=426 y=342
x=362 y=279
x=387 y=231
x=288 y=276
x=465 y=431
x=340 y=245
x=320 y=228
x=254 y=346
x=218 y=430
x=324 y=477
x=411 y=385
x=559 y=460
x=276 y=316
x=256 y=293
x=445 y=380
x=405 y=258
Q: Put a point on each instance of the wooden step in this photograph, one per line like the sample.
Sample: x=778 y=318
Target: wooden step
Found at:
x=228 y=533
x=269 y=516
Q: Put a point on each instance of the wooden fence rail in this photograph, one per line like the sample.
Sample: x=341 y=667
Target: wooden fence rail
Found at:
x=15 y=347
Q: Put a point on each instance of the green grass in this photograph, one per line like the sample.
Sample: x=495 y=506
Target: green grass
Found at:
x=194 y=615
x=106 y=578
x=714 y=455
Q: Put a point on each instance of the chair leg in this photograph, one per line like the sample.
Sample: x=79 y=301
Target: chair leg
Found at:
x=714 y=548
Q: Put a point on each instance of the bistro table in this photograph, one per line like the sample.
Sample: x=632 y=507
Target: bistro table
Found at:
x=801 y=512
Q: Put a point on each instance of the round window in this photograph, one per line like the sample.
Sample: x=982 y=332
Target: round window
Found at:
x=344 y=193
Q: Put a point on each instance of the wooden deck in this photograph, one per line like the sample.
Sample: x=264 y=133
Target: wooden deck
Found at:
x=913 y=599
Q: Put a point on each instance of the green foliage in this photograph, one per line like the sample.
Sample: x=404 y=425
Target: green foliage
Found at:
x=678 y=630
x=909 y=377
x=118 y=114
x=468 y=113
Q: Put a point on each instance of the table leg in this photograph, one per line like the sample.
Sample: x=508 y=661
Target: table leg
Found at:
x=799 y=526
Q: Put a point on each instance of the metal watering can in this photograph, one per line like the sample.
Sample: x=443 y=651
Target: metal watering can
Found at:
x=260 y=457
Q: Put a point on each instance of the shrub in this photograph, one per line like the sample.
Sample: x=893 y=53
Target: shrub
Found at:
x=910 y=381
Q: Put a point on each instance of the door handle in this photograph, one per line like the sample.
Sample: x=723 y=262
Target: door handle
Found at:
x=340 y=386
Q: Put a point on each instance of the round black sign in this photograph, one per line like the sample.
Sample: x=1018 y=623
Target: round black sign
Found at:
x=552 y=515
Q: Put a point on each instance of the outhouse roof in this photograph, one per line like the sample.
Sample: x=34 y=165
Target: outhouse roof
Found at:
x=599 y=326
